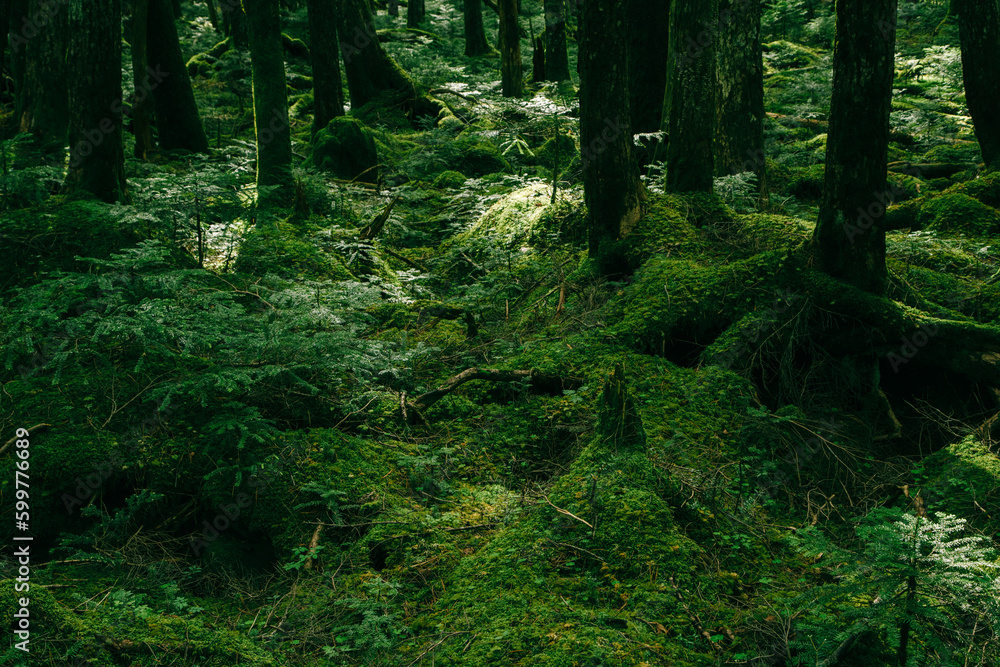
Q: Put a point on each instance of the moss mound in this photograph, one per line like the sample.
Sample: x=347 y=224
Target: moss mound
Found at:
x=287 y=251
x=346 y=149
x=448 y=180
x=964 y=479
x=960 y=213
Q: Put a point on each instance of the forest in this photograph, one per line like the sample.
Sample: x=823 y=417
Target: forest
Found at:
x=548 y=333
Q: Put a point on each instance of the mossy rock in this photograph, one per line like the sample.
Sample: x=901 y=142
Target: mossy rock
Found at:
x=346 y=149
x=203 y=65
x=985 y=189
x=964 y=152
x=960 y=213
x=807 y=182
x=546 y=154
x=295 y=47
x=481 y=159
x=298 y=82
x=285 y=250
x=783 y=54
x=449 y=180
x=964 y=479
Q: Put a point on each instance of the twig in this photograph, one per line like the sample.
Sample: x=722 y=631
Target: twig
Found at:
x=31 y=431
x=567 y=512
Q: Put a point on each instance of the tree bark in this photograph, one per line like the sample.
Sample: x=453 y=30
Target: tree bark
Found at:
x=689 y=99
x=556 y=59
x=610 y=173
x=979 y=31
x=270 y=104
x=17 y=38
x=393 y=7
x=97 y=162
x=213 y=14
x=415 y=12
x=538 y=60
x=328 y=88
x=177 y=121
x=234 y=22
x=475 y=33
x=739 y=131
x=44 y=110
x=370 y=71
x=140 y=105
x=649 y=22
x=849 y=241
x=511 y=72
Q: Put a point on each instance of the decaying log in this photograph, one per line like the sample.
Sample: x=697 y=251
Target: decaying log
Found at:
x=931 y=170
x=542 y=381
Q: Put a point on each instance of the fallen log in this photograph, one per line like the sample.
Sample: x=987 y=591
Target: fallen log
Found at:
x=931 y=170
x=553 y=384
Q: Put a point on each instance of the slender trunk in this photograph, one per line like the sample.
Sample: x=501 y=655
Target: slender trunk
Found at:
x=97 y=163
x=177 y=121
x=234 y=21
x=475 y=33
x=610 y=174
x=415 y=12
x=739 y=130
x=4 y=28
x=979 y=30
x=270 y=104
x=649 y=22
x=556 y=59
x=690 y=96
x=18 y=39
x=902 y=653
x=538 y=60
x=394 y=8
x=44 y=110
x=328 y=91
x=849 y=240
x=141 y=103
x=511 y=73
x=213 y=14
x=370 y=71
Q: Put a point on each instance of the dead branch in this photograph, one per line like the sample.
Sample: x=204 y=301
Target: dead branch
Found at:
x=31 y=431
x=543 y=380
x=373 y=229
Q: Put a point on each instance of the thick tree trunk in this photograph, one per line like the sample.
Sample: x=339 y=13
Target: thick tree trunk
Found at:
x=234 y=23
x=849 y=241
x=17 y=38
x=270 y=104
x=649 y=22
x=176 y=10
x=556 y=59
x=141 y=104
x=739 y=132
x=44 y=110
x=979 y=29
x=689 y=99
x=415 y=12
x=370 y=71
x=511 y=72
x=94 y=63
x=475 y=33
x=4 y=29
x=610 y=174
x=328 y=93
x=538 y=60
x=177 y=121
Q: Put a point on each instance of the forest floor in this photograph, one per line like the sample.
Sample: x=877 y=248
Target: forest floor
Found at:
x=445 y=439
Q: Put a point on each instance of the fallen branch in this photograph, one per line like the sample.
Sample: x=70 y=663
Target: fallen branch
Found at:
x=373 y=229
x=31 y=431
x=552 y=383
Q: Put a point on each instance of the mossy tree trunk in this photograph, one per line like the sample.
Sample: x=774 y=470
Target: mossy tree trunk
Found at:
x=556 y=58
x=475 y=32
x=849 y=241
x=979 y=30
x=649 y=22
x=689 y=100
x=44 y=110
x=739 y=130
x=213 y=14
x=393 y=7
x=270 y=104
x=511 y=69
x=415 y=12
x=619 y=424
x=141 y=127
x=370 y=71
x=176 y=9
x=234 y=23
x=328 y=93
x=538 y=59
x=610 y=173
x=177 y=121
x=17 y=12
x=94 y=63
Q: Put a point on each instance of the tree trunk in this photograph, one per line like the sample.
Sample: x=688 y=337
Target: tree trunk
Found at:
x=19 y=32
x=94 y=63
x=270 y=104
x=213 y=14
x=4 y=29
x=511 y=73
x=370 y=71
x=610 y=174
x=141 y=104
x=739 y=131
x=475 y=33
x=556 y=59
x=415 y=12
x=175 y=9
x=538 y=60
x=849 y=240
x=234 y=22
x=328 y=93
x=649 y=27
x=44 y=110
x=177 y=121
x=979 y=29
x=689 y=99
x=394 y=8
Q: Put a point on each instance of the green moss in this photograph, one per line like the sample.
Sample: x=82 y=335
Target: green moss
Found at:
x=449 y=180
x=202 y=64
x=346 y=149
x=965 y=152
x=807 y=182
x=960 y=213
x=480 y=159
x=964 y=479
x=288 y=251
x=295 y=47
x=985 y=189
x=783 y=54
